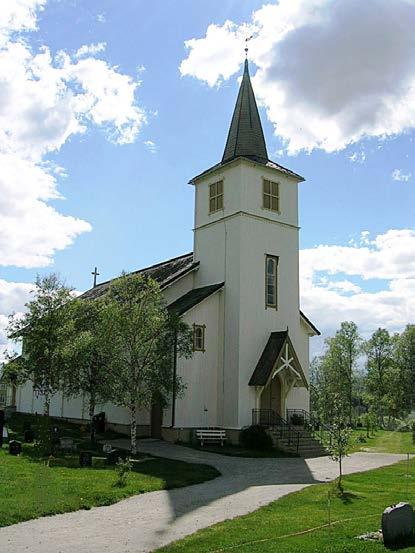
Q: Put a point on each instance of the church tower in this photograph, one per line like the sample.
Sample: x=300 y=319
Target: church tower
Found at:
x=246 y=235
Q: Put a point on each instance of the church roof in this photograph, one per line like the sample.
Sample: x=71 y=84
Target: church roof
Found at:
x=193 y=298
x=245 y=136
x=164 y=273
x=268 y=357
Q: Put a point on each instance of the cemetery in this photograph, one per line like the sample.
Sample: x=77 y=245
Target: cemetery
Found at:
x=76 y=475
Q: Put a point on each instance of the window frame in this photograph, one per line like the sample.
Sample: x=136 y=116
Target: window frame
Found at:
x=276 y=259
x=217 y=197
x=202 y=328
x=270 y=195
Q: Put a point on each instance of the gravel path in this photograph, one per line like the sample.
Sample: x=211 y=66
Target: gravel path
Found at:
x=145 y=522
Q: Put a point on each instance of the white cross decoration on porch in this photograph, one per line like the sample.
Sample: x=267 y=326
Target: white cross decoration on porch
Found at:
x=286 y=363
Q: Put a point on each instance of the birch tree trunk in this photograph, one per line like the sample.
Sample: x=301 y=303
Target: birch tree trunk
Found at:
x=133 y=429
x=91 y=419
x=46 y=405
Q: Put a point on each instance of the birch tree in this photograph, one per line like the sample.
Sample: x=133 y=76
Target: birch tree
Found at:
x=41 y=330
x=87 y=355
x=144 y=340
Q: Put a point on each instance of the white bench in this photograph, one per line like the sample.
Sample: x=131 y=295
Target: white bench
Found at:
x=211 y=435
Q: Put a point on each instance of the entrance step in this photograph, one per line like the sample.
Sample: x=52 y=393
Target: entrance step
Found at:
x=308 y=446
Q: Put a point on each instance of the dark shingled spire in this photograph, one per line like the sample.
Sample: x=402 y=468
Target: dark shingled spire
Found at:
x=245 y=137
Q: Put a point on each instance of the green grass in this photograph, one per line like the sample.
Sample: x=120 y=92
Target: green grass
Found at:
x=298 y=522
x=30 y=489
x=384 y=441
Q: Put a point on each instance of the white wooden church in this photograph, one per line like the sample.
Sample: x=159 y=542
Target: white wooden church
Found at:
x=238 y=290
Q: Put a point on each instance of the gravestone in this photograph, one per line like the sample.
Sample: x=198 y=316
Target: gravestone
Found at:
x=85 y=459
x=66 y=443
x=397 y=523
x=114 y=455
x=15 y=447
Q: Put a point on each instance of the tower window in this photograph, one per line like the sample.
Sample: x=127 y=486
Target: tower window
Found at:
x=271 y=281
x=199 y=337
x=215 y=196
x=271 y=195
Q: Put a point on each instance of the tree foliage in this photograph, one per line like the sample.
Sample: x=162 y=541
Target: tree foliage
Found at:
x=144 y=338
x=376 y=376
x=41 y=328
x=87 y=354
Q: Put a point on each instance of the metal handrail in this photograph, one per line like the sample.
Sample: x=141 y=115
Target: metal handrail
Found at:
x=320 y=430
x=269 y=418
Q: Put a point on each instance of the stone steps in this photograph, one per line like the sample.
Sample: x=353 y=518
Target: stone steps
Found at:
x=308 y=446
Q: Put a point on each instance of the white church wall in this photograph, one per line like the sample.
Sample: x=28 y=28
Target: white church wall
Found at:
x=24 y=398
x=199 y=406
x=179 y=288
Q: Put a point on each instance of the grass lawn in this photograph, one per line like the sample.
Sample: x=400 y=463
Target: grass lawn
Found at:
x=30 y=489
x=298 y=522
x=384 y=441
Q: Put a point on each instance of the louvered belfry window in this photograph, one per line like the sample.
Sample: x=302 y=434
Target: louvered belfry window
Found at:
x=216 y=196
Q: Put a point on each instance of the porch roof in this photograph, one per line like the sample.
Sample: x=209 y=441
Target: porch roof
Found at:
x=270 y=356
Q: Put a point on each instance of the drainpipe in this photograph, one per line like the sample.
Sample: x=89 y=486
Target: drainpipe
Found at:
x=173 y=407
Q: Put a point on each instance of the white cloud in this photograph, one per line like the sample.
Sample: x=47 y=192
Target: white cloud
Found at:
x=18 y=15
x=330 y=72
x=13 y=296
x=358 y=157
x=101 y=18
x=30 y=229
x=152 y=146
x=90 y=49
x=388 y=257
x=45 y=100
x=401 y=177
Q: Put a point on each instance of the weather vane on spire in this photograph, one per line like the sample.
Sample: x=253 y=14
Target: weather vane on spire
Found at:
x=246 y=45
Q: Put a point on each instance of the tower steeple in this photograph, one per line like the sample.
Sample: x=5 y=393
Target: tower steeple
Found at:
x=245 y=137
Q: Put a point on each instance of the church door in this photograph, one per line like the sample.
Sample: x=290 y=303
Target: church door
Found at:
x=156 y=420
x=276 y=402
x=271 y=396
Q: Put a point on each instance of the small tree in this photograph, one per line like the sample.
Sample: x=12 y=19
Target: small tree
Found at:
x=86 y=355
x=379 y=352
x=40 y=328
x=12 y=373
x=346 y=347
x=144 y=340
x=341 y=435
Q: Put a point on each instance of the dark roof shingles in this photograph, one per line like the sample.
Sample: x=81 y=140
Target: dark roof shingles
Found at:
x=192 y=298
x=267 y=360
x=164 y=273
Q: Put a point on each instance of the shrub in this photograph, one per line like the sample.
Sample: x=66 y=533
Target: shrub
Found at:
x=123 y=469
x=297 y=420
x=255 y=437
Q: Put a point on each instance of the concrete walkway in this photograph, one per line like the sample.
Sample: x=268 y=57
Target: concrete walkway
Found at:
x=145 y=522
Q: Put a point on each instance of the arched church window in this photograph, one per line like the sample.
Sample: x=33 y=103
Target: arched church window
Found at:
x=199 y=337
x=271 y=280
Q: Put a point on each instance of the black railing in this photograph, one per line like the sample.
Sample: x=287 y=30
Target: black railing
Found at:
x=283 y=430
x=319 y=430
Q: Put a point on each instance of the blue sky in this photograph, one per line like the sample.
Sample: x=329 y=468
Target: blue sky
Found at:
x=347 y=127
